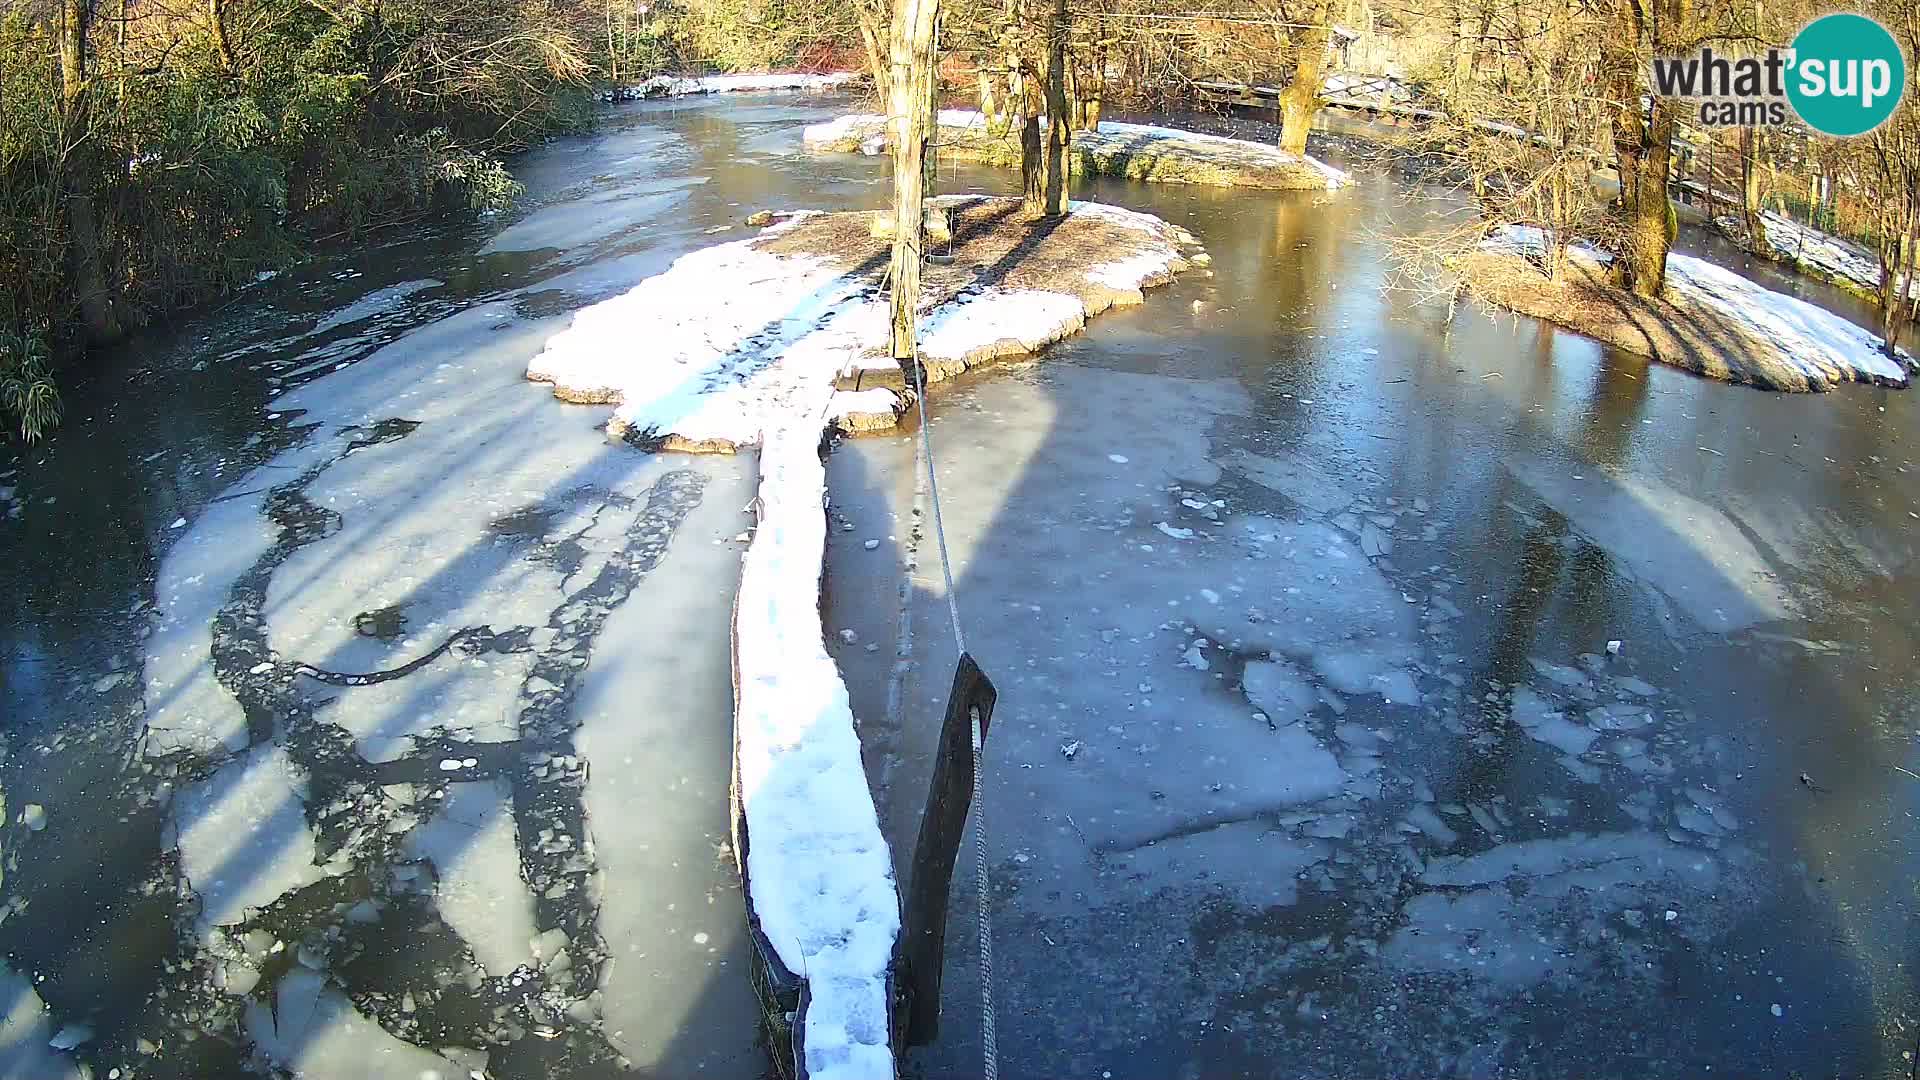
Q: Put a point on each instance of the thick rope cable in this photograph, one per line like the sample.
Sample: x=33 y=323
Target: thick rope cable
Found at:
x=990 y=1049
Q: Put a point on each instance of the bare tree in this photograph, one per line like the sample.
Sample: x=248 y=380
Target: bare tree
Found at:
x=1300 y=101
x=909 y=89
x=102 y=322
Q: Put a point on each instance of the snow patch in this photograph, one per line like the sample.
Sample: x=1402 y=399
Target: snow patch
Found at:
x=819 y=871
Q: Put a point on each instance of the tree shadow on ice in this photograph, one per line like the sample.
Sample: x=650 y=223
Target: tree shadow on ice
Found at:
x=338 y=776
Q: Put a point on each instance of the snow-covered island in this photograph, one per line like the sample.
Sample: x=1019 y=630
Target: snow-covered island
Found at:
x=1134 y=151
x=764 y=82
x=769 y=343
x=1709 y=320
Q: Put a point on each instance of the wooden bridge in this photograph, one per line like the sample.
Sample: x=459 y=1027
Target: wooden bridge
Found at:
x=1382 y=97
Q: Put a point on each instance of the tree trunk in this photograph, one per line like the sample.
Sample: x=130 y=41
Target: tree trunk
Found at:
x=1643 y=147
x=1033 y=201
x=1750 y=197
x=1463 y=50
x=909 y=90
x=993 y=110
x=1092 y=87
x=930 y=163
x=1059 y=121
x=217 y=26
x=876 y=55
x=1896 y=270
x=1300 y=101
x=83 y=231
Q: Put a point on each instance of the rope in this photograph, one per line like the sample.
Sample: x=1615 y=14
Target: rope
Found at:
x=939 y=526
x=989 y=1045
x=990 y=1048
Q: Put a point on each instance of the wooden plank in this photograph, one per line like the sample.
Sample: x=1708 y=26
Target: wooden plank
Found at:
x=949 y=797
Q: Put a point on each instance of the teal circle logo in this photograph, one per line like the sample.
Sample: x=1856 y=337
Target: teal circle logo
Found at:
x=1847 y=75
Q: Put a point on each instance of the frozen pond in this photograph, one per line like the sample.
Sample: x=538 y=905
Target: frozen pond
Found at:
x=377 y=706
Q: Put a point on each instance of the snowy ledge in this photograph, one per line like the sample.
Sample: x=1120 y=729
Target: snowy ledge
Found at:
x=1817 y=254
x=1134 y=151
x=685 y=86
x=1709 y=320
x=770 y=342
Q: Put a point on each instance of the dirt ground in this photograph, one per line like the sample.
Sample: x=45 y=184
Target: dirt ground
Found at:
x=993 y=246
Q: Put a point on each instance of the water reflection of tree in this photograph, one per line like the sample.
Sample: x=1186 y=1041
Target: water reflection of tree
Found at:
x=1302 y=247
x=1554 y=565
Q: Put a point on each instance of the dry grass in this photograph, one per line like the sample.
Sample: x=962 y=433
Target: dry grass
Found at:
x=993 y=245
x=1688 y=336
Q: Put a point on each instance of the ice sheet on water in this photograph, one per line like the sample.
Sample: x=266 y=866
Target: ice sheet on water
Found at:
x=374 y=303
x=1308 y=594
x=1684 y=547
x=580 y=223
x=1422 y=816
x=470 y=842
x=242 y=835
x=187 y=709
x=658 y=870
x=1295 y=476
x=1515 y=914
x=1538 y=718
x=1278 y=689
x=1378 y=670
x=1252 y=861
x=24 y=1033
x=311 y=1030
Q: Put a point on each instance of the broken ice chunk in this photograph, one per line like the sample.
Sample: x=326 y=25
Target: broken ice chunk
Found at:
x=1278 y=689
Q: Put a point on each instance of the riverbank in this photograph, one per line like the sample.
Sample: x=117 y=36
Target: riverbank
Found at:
x=765 y=343
x=1128 y=151
x=1821 y=256
x=1709 y=321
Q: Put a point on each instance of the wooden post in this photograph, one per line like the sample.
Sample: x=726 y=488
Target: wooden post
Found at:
x=949 y=797
x=911 y=56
